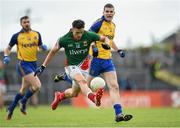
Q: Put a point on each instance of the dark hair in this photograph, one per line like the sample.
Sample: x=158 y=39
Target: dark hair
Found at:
x=24 y=17
x=108 y=6
x=78 y=24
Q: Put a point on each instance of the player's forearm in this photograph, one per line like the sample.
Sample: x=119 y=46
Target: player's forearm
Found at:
x=7 y=51
x=114 y=46
x=51 y=54
x=49 y=57
x=107 y=40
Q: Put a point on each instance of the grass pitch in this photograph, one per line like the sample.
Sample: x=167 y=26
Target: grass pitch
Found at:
x=64 y=116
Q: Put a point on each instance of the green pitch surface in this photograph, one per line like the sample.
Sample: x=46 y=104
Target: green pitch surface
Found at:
x=43 y=116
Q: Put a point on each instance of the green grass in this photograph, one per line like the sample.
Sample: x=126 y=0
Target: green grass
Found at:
x=43 y=116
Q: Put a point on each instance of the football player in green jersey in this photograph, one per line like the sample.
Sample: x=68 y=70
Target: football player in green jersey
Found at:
x=76 y=44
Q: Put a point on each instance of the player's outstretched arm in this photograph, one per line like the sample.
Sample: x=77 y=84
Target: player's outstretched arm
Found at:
x=120 y=51
x=49 y=57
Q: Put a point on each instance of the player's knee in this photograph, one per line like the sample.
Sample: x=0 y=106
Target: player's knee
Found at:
x=82 y=82
x=36 y=87
x=80 y=79
x=114 y=87
x=22 y=91
x=75 y=94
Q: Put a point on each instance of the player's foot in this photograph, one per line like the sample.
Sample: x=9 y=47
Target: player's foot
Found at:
x=122 y=117
x=57 y=98
x=59 y=77
x=9 y=114
x=98 y=97
x=22 y=108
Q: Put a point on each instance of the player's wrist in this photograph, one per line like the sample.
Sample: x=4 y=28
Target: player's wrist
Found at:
x=6 y=55
x=119 y=50
x=43 y=66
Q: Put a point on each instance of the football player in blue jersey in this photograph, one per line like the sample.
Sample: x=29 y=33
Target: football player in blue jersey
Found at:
x=102 y=63
x=28 y=42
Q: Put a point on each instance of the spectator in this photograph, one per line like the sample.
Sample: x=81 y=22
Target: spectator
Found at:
x=3 y=82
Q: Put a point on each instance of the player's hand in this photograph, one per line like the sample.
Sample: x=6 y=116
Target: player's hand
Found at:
x=44 y=47
x=95 y=51
x=121 y=53
x=39 y=70
x=6 y=59
x=106 y=46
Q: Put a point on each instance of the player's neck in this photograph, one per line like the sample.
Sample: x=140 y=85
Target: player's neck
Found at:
x=26 y=30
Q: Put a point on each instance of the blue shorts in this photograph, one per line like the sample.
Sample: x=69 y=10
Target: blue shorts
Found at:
x=24 y=67
x=99 y=66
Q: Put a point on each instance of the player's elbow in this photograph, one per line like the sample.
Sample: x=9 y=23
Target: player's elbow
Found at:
x=7 y=50
x=54 y=50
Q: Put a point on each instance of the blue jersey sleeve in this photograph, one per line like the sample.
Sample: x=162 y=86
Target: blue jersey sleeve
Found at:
x=13 y=40
x=40 y=39
x=96 y=26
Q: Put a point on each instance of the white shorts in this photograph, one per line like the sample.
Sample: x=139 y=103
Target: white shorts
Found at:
x=71 y=71
x=2 y=88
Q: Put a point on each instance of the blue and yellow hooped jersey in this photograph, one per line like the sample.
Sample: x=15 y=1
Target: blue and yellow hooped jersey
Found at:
x=102 y=27
x=27 y=44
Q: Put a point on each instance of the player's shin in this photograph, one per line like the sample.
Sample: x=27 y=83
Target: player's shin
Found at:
x=15 y=101
x=86 y=90
x=117 y=109
x=28 y=94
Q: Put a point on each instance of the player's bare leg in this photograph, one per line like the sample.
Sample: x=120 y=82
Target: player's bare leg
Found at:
x=35 y=85
x=96 y=98
x=22 y=91
x=18 y=96
x=111 y=80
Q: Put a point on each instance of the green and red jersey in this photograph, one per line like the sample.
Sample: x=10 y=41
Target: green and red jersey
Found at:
x=77 y=51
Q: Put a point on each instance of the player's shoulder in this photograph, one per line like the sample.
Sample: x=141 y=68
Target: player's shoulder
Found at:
x=15 y=35
x=65 y=37
x=99 y=21
x=97 y=25
x=34 y=31
x=113 y=24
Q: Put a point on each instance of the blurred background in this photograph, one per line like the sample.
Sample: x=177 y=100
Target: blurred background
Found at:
x=149 y=31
